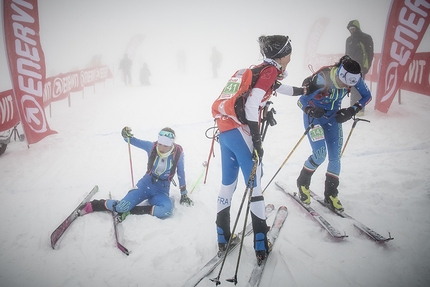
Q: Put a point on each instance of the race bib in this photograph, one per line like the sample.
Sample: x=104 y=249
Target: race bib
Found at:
x=316 y=133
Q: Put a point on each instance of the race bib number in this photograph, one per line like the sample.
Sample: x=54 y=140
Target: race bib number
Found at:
x=316 y=133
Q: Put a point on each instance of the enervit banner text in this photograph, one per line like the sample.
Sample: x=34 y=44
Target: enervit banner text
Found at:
x=26 y=65
x=407 y=23
x=8 y=114
x=56 y=89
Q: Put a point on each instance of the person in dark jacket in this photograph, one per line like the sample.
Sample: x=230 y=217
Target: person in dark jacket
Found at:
x=359 y=46
x=125 y=66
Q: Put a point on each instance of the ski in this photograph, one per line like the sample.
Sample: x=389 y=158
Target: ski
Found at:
x=217 y=259
x=321 y=220
x=59 y=231
x=257 y=272
x=368 y=231
x=115 y=229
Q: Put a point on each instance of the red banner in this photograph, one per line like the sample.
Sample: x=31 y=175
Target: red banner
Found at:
x=26 y=65
x=8 y=114
x=407 y=23
x=59 y=87
x=417 y=76
x=55 y=89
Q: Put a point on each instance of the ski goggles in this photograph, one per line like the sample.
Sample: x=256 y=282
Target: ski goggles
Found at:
x=166 y=138
x=170 y=135
x=348 y=78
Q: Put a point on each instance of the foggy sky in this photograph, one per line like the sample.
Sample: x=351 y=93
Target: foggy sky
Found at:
x=72 y=32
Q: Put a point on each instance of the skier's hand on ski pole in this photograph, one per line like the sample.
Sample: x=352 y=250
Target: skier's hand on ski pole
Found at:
x=315 y=112
x=126 y=133
x=346 y=114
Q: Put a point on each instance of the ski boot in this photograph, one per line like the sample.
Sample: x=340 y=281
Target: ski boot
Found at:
x=331 y=192
x=222 y=247
x=95 y=205
x=303 y=183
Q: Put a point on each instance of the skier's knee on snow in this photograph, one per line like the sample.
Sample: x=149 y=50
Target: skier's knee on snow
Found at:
x=163 y=211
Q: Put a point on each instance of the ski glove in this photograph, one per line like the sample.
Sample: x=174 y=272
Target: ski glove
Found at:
x=315 y=112
x=313 y=83
x=256 y=140
x=185 y=200
x=126 y=133
x=345 y=114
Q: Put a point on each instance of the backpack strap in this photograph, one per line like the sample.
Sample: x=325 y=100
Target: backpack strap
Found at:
x=256 y=71
x=151 y=158
x=176 y=155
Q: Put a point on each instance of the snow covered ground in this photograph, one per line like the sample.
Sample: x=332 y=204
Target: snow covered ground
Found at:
x=384 y=183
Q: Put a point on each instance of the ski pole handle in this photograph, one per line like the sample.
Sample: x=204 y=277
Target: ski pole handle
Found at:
x=205 y=163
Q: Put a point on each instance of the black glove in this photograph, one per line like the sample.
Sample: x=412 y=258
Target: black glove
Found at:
x=256 y=139
x=184 y=197
x=311 y=84
x=185 y=200
x=345 y=114
x=315 y=112
x=126 y=133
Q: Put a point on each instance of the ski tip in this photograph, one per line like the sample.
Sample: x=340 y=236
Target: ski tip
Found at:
x=123 y=249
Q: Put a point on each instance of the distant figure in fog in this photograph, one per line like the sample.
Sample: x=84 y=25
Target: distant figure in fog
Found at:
x=216 y=59
x=125 y=66
x=359 y=46
x=95 y=62
x=145 y=73
x=182 y=60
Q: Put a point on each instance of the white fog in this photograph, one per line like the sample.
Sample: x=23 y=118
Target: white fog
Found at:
x=384 y=181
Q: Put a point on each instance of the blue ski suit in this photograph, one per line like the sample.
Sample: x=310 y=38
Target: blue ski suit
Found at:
x=327 y=136
x=154 y=186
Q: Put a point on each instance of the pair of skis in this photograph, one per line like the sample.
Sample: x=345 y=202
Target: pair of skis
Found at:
x=257 y=271
x=59 y=231
x=327 y=226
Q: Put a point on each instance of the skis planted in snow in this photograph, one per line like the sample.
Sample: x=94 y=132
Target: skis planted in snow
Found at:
x=274 y=231
x=367 y=230
x=115 y=229
x=59 y=231
x=217 y=259
x=321 y=220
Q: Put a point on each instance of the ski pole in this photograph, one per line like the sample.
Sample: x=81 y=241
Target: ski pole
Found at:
x=251 y=179
x=205 y=164
x=297 y=144
x=131 y=163
x=356 y=120
x=211 y=151
x=251 y=188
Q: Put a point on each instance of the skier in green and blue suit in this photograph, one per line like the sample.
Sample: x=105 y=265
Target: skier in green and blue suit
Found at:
x=322 y=109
